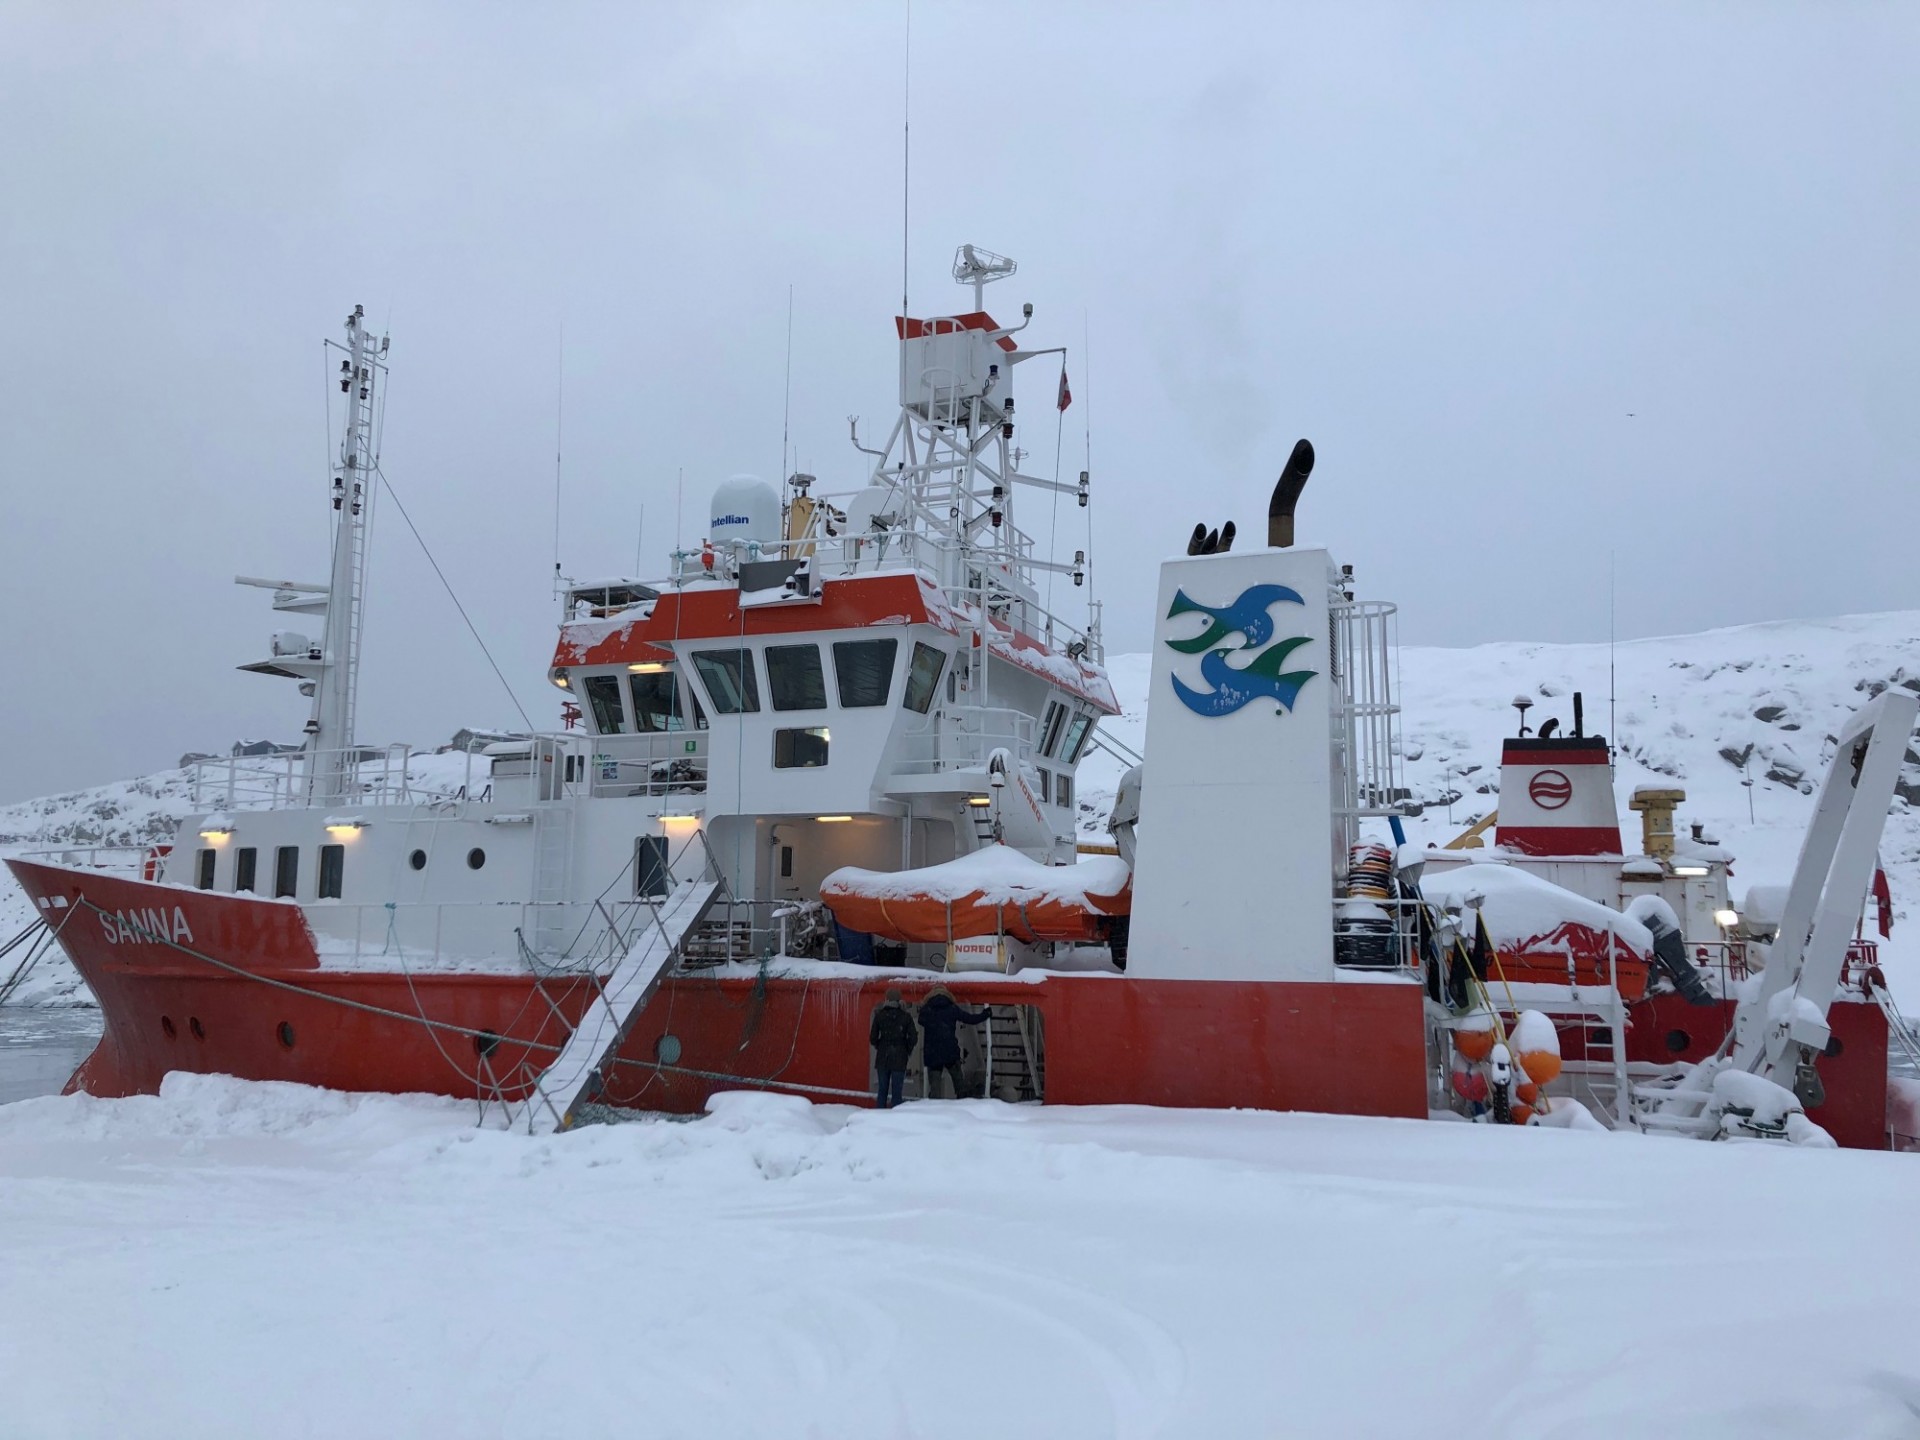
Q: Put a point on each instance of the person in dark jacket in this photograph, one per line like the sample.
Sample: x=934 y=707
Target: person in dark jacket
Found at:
x=891 y=1034
x=940 y=1018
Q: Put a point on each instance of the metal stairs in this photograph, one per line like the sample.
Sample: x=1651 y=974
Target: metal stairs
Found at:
x=1015 y=1057
x=575 y=1076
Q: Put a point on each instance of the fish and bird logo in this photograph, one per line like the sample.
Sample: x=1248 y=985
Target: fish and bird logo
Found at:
x=1261 y=677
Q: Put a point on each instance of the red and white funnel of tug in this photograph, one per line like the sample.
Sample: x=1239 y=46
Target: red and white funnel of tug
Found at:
x=1556 y=797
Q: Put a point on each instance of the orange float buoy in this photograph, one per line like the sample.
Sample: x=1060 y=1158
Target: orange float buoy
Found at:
x=1474 y=1045
x=1526 y=1092
x=1542 y=1066
x=1521 y=1114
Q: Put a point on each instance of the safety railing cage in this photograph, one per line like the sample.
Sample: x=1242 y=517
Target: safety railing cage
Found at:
x=1365 y=650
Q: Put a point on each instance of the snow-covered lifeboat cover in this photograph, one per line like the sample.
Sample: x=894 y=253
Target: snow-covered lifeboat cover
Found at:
x=996 y=890
x=1538 y=928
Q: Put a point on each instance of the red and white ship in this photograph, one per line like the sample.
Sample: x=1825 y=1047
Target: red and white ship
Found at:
x=835 y=751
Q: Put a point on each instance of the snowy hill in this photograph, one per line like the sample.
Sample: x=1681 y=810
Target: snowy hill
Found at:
x=1705 y=712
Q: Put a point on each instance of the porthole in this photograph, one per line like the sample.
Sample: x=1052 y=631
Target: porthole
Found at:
x=418 y=859
x=485 y=1043
x=667 y=1049
x=199 y=1030
x=1678 y=1042
x=476 y=857
x=1832 y=1048
x=285 y=1032
x=166 y=1027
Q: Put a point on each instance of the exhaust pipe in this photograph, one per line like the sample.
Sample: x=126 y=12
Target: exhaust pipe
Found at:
x=1286 y=494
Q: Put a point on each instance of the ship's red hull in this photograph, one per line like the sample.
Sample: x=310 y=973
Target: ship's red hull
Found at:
x=277 y=1014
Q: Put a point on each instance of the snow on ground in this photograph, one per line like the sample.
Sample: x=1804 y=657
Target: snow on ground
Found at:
x=230 y=1259
x=1689 y=709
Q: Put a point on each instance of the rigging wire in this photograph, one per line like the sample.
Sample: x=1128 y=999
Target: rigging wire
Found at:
x=448 y=586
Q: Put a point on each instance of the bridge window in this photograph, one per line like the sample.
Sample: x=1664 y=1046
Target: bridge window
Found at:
x=728 y=676
x=205 y=877
x=1077 y=734
x=794 y=678
x=603 y=694
x=1046 y=785
x=923 y=676
x=246 y=866
x=1063 y=791
x=1050 y=729
x=656 y=702
x=864 y=671
x=333 y=869
x=286 y=871
x=800 y=749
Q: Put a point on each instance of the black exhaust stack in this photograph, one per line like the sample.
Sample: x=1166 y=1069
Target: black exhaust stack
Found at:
x=1286 y=494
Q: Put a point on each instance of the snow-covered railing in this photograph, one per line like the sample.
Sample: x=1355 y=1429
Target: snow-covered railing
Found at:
x=961 y=737
x=669 y=763
x=141 y=860
x=278 y=782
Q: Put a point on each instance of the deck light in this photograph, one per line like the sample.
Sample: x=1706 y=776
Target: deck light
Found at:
x=344 y=827
x=833 y=819
x=647 y=667
x=1691 y=870
x=1726 y=919
x=559 y=678
x=216 y=833
x=979 y=800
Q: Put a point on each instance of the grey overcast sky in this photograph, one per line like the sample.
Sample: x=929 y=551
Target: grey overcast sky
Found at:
x=1543 y=283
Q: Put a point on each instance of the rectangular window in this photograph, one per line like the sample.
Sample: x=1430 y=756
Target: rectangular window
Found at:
x=1076 y=739
x=333 y=870
x=795 y=680
x=1051 y=727
x=286 y=871
x=246 y=865
x=1046 y=785
x=863 y=670
x=786 y=862
x=651 y=878
x=205 y=878
x=728 y=676
x=1063 y=792
x=923 y=677
x=656 y=702
x=800 y=749
x=603 y=695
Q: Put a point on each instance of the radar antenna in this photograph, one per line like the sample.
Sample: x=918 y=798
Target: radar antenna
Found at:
x=980 y=268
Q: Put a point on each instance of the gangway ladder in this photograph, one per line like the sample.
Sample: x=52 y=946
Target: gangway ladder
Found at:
x=575 y=1077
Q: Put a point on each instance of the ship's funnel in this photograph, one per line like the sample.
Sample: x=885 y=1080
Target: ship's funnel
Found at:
x=1286 y=494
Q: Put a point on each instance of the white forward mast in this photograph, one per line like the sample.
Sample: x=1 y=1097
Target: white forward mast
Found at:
x=330 y=730
x=328 y=669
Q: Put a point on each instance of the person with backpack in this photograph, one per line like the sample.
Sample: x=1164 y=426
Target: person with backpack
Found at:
x=891 y=1033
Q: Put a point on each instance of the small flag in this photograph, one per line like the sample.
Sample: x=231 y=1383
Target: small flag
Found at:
x=1883 y=902
x=1066 y=395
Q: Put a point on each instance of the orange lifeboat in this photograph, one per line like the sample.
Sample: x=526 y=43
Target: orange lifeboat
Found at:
x=994 y=891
